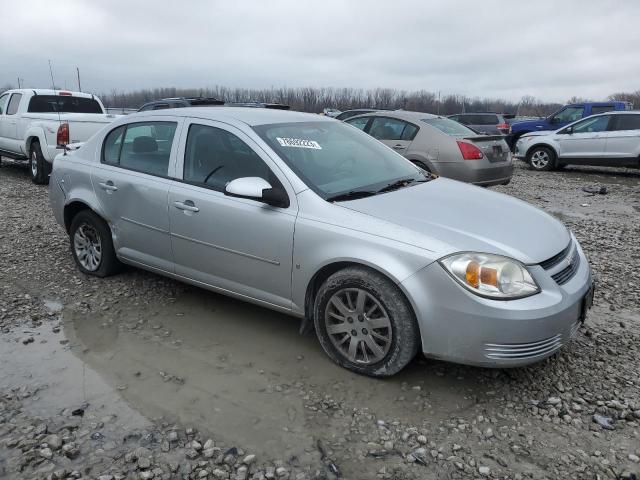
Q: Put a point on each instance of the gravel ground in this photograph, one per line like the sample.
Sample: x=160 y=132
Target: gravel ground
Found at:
x=137 y=376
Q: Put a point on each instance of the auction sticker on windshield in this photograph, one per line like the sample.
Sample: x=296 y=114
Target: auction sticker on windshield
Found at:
x=299 y=143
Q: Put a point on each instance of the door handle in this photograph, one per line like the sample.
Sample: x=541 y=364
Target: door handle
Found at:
x=398 y=147
x=108 y=186
x=187 y=205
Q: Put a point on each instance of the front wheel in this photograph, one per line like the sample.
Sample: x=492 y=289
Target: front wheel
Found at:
x=38 y=166
x=541 y=158
x=365 y=323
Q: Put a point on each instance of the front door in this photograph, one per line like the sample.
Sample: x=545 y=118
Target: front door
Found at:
x=132 y=185
x=584 y=140
x=238 y=245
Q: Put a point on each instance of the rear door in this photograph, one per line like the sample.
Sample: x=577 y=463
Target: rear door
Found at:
x=132 y=184
x=623 y=139
x=235 y=244
x=393 y=132
x=585 y=140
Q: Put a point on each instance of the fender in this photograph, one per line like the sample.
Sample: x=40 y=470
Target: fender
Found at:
x=36 y=131
x=419 y=158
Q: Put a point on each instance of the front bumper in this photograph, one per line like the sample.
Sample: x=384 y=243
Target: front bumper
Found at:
x=459 y=326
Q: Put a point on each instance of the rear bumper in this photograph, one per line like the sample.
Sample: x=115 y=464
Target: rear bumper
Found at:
x=478 y=172
x=459 y=326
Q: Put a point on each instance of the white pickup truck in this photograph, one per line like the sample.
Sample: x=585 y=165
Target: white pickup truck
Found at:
x=35 y=124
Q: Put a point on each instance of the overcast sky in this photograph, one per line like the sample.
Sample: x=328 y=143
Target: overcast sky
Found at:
x=492 y=48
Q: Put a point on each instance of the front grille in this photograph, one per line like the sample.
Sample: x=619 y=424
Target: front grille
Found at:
x=564 y=275
x=556 y=259
x=523 y=351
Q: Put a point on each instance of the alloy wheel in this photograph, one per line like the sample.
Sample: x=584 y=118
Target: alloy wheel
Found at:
x=540 y=159
x=358 y=326
x=34 y=164
x=88 y=247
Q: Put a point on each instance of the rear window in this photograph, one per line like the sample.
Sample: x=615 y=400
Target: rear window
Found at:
x=596 y=109
x=449 y=127
x=63 y=104
x=478 y=119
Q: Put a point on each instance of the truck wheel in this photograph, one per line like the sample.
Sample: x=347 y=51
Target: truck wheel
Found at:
x=92 y=245
x=365 y=323
x=38 y=166
x=541 y=158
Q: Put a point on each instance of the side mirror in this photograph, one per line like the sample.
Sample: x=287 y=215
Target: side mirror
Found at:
x=257 y=188
x=568 y=130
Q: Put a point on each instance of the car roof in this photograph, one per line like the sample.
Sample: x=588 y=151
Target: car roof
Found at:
x=48 y=91
x=400 y=114
x=250 y=116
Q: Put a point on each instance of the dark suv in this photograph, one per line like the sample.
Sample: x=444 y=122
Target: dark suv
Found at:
x=491 y=123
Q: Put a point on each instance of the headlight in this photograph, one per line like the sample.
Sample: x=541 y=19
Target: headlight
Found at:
x=490 y=275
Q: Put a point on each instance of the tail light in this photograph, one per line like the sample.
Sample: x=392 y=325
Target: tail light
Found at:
x=469 y=151
x=63 y=135
x=503 y=126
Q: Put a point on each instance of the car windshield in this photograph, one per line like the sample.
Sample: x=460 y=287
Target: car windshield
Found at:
x=450 y=127
x=334 y=159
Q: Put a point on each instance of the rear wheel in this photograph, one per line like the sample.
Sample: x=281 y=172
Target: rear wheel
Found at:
x=92 y=246
x=421 y=165
x=38 y=166
x=541 y=158
x=364 y=322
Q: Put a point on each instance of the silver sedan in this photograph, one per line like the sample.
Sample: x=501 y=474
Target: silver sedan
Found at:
x=311 y=217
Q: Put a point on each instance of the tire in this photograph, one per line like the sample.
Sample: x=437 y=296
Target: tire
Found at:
x=39 y=168
x=90 y=234
x=391 y=324
x=541 y=158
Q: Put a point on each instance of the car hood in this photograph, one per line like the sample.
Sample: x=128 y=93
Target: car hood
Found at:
x=452 y=216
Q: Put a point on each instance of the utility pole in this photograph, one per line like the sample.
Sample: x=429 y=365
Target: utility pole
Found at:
x=19 y=82
x=438 y=103
x=53 y=84
x=79 y=87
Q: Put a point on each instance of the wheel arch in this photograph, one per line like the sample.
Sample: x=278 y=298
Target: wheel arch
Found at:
x=546 y=145
x=34 y=134
x=74 y=207
x=332 y=267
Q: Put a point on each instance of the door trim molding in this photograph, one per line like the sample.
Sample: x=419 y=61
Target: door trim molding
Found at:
x=224 y=249
x=140 y=224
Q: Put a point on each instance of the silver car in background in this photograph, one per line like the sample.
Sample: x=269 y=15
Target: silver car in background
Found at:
x=308 y=216
x=441 y=145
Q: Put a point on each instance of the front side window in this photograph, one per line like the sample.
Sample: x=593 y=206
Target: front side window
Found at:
x=627 y=122
x=334 y=159
x=360 y=123
x=448 y=126
x=12 y=108
x=592 y=125
x=63 y=104
x=3 y=103
x=213 y=157
x=567 y=115
x=144 y=147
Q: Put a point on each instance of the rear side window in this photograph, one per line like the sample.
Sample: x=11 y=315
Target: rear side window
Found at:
x=626 y=122
x=384 y=128
x=213 y=157
x=601 y=109
x=63 y=104
x=144 y=147
x=12 y=108
x=3 y=103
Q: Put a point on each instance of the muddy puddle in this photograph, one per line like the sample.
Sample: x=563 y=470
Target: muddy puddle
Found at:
x=239 y=372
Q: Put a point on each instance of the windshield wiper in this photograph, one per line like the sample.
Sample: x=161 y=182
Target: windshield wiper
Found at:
x=352 y=195
x=404 y=182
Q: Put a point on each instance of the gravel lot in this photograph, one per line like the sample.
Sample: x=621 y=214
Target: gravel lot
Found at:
x=137 y=376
